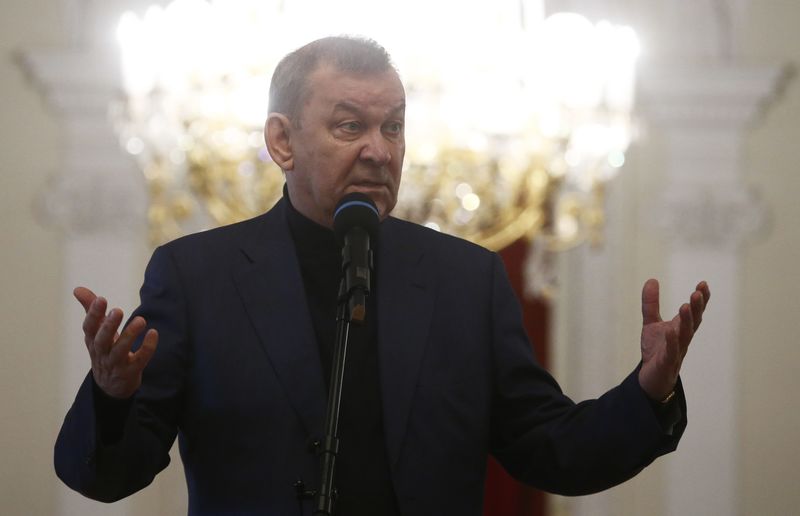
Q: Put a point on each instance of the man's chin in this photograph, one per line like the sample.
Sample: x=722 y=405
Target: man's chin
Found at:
x=379 y=194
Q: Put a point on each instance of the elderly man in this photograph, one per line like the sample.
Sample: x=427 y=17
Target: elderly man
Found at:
x=232 y=343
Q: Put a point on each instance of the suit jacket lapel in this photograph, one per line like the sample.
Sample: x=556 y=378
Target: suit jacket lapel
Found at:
x=405 y=305
x=271 y=288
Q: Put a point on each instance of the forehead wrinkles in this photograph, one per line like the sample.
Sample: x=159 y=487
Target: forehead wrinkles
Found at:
x=334 y=89
x=384 y=109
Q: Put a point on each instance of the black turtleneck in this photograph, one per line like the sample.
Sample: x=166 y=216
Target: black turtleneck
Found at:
x=363 y=480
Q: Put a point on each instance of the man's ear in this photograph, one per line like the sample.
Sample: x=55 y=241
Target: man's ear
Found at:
x=278 y=136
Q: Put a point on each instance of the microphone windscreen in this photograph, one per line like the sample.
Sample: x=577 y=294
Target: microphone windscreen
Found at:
x=355 y=210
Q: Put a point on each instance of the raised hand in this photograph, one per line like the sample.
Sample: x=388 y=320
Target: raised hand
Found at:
x=116 y=369
x=664 y=343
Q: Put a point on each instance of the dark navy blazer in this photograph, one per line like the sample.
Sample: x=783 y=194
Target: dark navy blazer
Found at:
x=237 y=377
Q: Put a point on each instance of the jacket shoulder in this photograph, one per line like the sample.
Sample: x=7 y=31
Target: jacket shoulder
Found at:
x=229 y=234
x=207 y=252
x=433 y=240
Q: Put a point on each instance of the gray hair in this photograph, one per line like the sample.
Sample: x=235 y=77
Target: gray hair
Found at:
x=289 y=86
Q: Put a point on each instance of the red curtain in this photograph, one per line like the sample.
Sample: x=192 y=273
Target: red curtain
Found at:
x=503 y=495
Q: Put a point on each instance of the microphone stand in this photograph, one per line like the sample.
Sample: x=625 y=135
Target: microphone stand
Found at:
x=326 y=495
x=347 y=311
x=357 y=264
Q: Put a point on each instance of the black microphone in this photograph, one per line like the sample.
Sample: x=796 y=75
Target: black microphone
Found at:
x=355 y=223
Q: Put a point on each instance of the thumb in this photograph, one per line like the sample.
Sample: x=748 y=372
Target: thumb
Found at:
x=84 y=296
x=651 y=312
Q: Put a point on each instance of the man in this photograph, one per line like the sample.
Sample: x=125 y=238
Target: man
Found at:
x=232 y=342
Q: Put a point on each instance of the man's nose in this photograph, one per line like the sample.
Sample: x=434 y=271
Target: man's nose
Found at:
x=376 y=149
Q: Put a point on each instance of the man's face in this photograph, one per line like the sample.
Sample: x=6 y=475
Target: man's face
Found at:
x=350 y=138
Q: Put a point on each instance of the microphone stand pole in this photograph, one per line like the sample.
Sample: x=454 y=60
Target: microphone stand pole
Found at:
x=350 y=308
x=326 y=495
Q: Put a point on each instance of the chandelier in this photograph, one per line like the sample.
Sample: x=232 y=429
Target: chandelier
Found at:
x=514 y=122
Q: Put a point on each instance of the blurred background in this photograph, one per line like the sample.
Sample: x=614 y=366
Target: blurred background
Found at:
x=700 y=182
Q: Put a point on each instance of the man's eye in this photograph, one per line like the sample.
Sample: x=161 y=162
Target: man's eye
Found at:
x=394 y=127
x=350 y=127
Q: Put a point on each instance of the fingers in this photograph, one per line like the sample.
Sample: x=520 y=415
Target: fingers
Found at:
x=650 y=304
x=118 y=353
x=698 y=301
x=697 y=305
x=104 y=337
x=95 y=314
x=117 y=370
x=703 y=288
x=145 y=353
x=84 y=296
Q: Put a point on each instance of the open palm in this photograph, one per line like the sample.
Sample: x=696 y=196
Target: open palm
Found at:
x=665 y=343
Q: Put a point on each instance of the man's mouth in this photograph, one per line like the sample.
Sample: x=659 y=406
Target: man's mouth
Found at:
x=368 y=186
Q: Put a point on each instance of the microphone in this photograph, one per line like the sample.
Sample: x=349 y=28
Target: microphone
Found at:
x=355 y=224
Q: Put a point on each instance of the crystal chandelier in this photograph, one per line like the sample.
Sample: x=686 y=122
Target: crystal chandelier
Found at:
x=514 y=121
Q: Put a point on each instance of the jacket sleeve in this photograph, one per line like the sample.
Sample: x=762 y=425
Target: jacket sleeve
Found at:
x=543 y=438
x=109 y=471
